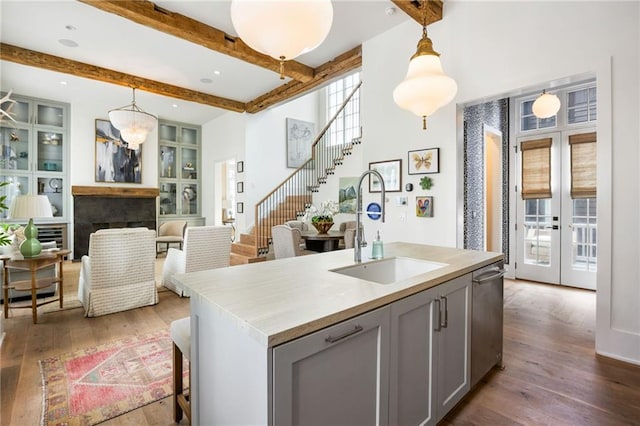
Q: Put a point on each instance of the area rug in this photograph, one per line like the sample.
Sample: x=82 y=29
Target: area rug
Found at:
x=92 y=385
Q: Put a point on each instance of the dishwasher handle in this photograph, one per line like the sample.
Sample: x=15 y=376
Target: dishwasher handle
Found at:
x=489 y=274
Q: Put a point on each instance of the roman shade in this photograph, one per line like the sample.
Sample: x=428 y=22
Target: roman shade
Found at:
x=583 y=165
x=536 y=169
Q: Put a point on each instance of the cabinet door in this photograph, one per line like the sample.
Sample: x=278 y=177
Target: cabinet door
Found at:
x=336 y=376
x=453 y=343
x=411 y=400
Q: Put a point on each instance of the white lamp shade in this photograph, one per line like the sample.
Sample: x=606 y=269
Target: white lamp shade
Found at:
x=547 y=105
x=282 y=29
x=30 y=207
x=134 y=125
x=425 y=88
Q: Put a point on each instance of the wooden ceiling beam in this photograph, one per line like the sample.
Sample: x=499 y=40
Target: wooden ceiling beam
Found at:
x=80 y=69
x=149 y=14
x=414 y=8
x=342 y=64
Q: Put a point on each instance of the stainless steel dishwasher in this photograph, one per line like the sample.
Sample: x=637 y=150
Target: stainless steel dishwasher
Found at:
x=486 y=320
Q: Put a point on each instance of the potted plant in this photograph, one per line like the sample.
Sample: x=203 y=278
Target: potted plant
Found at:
x=324 y=221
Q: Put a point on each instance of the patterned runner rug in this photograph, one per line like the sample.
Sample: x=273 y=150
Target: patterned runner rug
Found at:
x=92 y=385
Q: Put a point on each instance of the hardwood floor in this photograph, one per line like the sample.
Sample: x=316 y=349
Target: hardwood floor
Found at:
x=552 y=374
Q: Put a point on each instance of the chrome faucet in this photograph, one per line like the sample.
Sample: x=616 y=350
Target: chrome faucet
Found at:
x=359 y=239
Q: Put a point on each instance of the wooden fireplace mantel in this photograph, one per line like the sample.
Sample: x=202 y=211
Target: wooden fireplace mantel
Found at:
x=114 y=191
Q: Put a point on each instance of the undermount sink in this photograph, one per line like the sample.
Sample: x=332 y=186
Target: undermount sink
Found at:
x=388 y=271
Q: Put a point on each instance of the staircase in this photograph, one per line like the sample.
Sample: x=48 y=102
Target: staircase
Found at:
x=289 y=200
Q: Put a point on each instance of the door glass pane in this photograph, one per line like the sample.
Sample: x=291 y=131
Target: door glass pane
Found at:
x=53 y=188
x=49 y=151
x=167 y=162
x=168 y=133
x=189 y=199
x=189 y=136
x=17 y=185
x=15 y=149
x=167 y=198
x=189 y=165
x=537 y=232
x=50 y=116
x=581 y=105
x=584 y=235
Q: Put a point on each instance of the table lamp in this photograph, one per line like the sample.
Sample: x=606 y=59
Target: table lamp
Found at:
x=30 y=207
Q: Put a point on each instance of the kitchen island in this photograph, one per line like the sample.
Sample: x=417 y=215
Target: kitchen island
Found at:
x=291 y=341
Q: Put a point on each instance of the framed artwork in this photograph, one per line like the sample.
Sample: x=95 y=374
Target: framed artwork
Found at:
x=391 y=172
x=240 y=187
x=239 y=207
x=424 y=161
x=300 y=136
x=240 y=166
x=347 y=194
x=114 y=161
x=424 y=206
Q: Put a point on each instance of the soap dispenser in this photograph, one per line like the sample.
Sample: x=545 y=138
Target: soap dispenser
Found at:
x=377 y=252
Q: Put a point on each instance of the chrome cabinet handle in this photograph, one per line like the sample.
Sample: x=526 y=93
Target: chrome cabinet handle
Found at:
x=357 y=329
x=446 y=313
x=438 y=326
x=494 y=273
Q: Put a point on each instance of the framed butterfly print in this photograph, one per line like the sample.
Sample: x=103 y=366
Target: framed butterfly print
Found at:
x=424 y=161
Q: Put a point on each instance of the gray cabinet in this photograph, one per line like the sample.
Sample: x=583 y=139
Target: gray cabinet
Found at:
x=430 y=346
x=337 y=376
x=178 y=169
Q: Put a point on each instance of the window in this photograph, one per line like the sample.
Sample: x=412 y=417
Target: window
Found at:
x=348 y=123
x=536 y=169
x=581 y=105
x=528 y=121
x=583 y=165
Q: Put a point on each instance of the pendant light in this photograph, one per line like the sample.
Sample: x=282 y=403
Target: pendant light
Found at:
x=546 y=105
x=134 y=124
x=425 y=88
x=282 y=29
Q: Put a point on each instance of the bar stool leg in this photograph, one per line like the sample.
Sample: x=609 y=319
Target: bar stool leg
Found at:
x=177 y=383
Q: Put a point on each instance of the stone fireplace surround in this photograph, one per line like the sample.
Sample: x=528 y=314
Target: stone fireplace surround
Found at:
x=102 y=207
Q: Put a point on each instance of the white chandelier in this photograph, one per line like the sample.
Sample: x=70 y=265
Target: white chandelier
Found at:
x=282 y=29
x=134 y=124
x=546 y=105
x=425 y=88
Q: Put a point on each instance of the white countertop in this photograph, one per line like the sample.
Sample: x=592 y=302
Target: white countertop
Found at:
x=278 y=301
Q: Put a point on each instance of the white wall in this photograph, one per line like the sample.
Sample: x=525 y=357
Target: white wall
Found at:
x=494 y=48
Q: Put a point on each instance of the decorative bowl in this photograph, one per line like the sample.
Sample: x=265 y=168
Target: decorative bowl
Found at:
x=322 y=227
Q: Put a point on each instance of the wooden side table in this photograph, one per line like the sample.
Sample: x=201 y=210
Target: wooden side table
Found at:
x=33 y=264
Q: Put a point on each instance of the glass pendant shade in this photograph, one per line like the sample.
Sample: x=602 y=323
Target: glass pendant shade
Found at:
x=282 y=29
x=134 y=124
x=547 y=105
x=425 y=88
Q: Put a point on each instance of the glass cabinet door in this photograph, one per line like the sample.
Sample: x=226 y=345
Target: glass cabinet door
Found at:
x=189 y=136
x=53 y=188
x=167 y=198
x=189 y=199
x=49 y=152
x=189 y=163
x=168 y=132
x=15 y=148
x=167 y=162
x=18 y=185
x=49 y=115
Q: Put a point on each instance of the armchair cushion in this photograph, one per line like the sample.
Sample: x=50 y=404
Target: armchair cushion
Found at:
x=205 y=247
x=119 y=272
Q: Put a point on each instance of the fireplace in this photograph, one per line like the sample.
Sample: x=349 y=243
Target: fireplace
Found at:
x=100 y=207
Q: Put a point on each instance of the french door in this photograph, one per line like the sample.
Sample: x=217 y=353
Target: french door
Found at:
x=557 y=234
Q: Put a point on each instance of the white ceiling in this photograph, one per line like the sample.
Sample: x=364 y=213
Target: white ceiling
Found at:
x=112 y=42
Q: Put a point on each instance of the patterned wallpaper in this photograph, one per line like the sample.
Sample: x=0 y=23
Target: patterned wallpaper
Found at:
x=496 y=115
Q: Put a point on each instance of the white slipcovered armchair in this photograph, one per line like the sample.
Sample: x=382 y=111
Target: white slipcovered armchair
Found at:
x=119 y=272
x=205 y=247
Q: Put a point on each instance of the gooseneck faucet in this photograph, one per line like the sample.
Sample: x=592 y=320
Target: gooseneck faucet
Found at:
x=359 y=239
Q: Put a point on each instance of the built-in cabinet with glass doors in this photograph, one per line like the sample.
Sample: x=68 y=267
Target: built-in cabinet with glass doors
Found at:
x=179 y=172
x=34 y=157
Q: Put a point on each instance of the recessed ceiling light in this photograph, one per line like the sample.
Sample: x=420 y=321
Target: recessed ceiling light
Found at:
x=67 y=42
x=64 y=83
x=70 y=27
x=206 y=80
x=216 y=72
x=175 y=105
